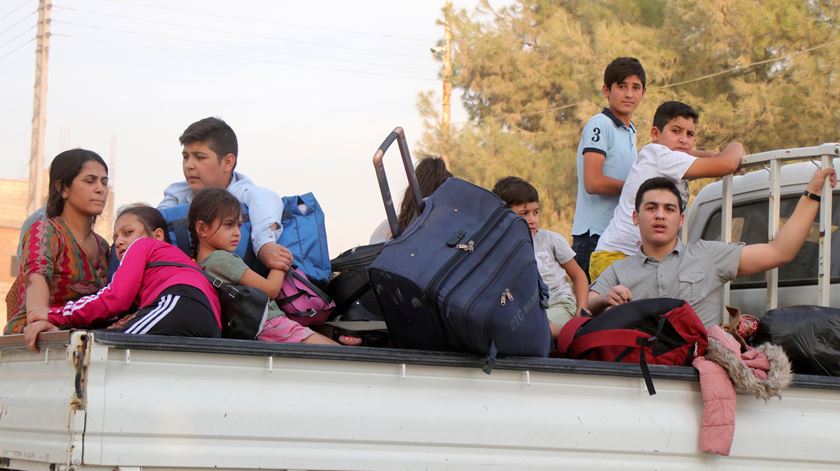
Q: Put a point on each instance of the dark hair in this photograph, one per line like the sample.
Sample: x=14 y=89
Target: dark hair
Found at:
x=431 y=173
x=214 y=132
x=658 y=183
x=514 y=190
x=670 y=110
x=148 y=216
x=64 y=168
x=210 y=205
x=621 y=68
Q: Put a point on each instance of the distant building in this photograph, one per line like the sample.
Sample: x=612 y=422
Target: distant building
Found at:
x=13 y=194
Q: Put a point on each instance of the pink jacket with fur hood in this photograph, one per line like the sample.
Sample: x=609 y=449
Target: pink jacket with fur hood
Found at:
x=763 y=371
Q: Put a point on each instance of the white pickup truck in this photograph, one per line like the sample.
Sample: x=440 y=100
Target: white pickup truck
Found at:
x=97 y=400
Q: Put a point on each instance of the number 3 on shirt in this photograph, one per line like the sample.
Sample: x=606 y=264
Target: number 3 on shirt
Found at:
x=596 y=134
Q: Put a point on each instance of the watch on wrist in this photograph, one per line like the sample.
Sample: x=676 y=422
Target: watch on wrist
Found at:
x=812 y=196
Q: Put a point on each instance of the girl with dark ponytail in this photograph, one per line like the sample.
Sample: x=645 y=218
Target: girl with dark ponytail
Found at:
x=214 y=221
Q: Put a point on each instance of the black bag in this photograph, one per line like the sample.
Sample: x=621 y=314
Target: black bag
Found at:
x=809 y=335
x=372 y=333
x=244 y=309
x=350 y=287
x=357 y=312
x=462 y=277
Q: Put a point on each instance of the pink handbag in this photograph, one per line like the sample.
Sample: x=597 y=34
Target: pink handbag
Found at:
x=302 y=301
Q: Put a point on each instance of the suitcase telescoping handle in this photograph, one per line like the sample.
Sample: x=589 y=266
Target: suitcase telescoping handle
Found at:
x=396 y=135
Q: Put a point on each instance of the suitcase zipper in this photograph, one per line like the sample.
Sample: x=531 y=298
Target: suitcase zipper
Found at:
x=443 y=273
x=463 y=280
x=506 y=294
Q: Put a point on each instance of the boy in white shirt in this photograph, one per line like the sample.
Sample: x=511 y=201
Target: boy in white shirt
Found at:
x=555 y=259
x=670 y=154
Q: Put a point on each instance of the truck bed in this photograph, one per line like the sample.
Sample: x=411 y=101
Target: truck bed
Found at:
x=97 y=400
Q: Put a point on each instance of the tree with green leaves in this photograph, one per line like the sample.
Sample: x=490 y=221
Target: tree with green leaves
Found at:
x=530 y=75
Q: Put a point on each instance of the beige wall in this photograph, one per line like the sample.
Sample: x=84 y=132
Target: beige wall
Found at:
x=13 y=194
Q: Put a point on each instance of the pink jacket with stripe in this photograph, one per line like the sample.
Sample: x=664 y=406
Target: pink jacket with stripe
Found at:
x=134 y=283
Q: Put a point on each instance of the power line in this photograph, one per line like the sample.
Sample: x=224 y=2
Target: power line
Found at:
x=247 y=59
x=34 y=12
x=738 y=68
x=14 y=9
x=19 y=35
x=217 y=43
x=269 y=22
x=238 y=33
x=16 y=49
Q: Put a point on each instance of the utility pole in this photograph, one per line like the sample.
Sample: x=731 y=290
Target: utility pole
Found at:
x=447 y=68
x=39 y=108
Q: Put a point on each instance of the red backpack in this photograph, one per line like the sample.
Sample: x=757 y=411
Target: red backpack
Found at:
x=661 y=331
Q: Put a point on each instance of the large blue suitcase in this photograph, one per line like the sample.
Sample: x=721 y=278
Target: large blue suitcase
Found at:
x=462 y=277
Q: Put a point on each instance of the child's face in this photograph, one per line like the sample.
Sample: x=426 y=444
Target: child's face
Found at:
x=624 y=97
x=221 y=234
x=530 y=212
x=678 y=134
x=127 y=229
x=203 y=168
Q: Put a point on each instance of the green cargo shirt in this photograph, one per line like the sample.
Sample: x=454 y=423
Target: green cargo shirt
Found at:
x=695 y=273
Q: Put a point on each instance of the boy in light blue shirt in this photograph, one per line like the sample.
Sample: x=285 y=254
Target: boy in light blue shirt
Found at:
x=605 y=154
x=209 y=155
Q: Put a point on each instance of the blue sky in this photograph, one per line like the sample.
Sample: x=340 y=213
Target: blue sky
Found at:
x=311 y=89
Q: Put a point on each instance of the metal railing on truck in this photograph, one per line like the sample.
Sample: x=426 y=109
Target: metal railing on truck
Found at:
x=822 y=156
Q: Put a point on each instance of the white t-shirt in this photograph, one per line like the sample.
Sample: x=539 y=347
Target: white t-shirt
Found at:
x=551 y=250
x=655 y=160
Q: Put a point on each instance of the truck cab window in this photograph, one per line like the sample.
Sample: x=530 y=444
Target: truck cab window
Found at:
x=749 y=225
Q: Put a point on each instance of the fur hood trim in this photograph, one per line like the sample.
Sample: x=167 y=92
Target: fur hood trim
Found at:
x=778 y=377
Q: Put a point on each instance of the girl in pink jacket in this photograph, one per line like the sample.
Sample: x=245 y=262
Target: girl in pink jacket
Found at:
x=172 y=300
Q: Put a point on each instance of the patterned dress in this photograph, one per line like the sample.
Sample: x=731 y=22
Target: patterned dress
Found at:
x=49 y=249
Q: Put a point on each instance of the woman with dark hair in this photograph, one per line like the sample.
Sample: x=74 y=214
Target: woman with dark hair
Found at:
x=62 y=258
x=431 y=173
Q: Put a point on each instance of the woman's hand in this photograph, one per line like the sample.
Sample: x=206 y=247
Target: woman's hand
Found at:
x=33 y=330
x=35 y=314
